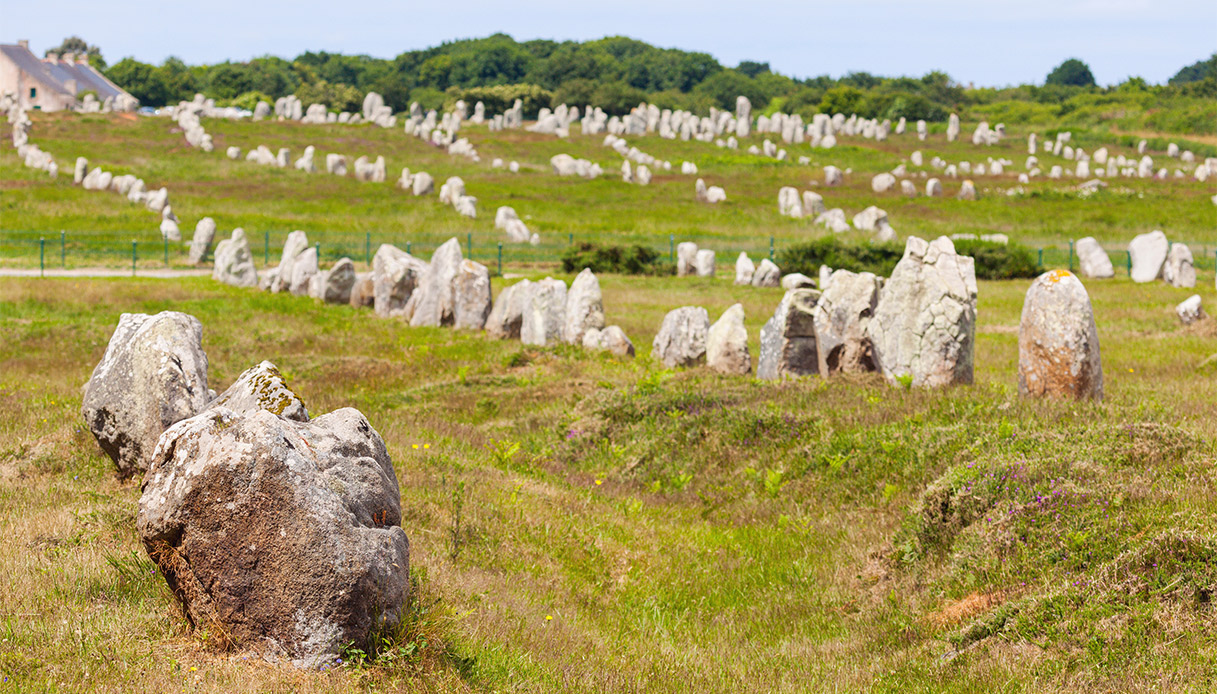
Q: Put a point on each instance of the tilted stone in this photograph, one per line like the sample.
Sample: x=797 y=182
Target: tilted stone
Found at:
x=788 y=338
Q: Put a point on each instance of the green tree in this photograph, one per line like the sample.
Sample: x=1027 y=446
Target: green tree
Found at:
x=1196 y=72
x=1071 y=73
x=752 y=68
x=724 y=86
x=842 y=99
x=141 y=80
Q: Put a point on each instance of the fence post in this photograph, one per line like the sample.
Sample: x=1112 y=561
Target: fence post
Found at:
x=367 y=247
x=265 y=248
x=63 y=253
x=570 y=239
x=1071 y=255
x=407 y=247
x=672 y=247
x=42 y=257
x=317 y=249
x=469 y=244
x=1041 y=263
x=133 y=258
x=771 y=248
x=500 y=258
x=166 y=251
x=1128 y=259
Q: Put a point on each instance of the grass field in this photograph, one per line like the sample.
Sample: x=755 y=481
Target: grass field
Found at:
x=351 y=218
x=580 y=522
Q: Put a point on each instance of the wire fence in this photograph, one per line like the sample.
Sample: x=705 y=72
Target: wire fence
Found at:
x=77 y=249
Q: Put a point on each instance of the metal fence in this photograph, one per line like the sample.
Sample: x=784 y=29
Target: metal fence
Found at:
x=29 y=249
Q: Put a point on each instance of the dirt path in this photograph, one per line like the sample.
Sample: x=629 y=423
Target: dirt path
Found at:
x=101 y=272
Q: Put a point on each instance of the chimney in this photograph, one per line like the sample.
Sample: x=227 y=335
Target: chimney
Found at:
x=52 y=58
x=68 y=58
x=82 y=59
x=24 y=43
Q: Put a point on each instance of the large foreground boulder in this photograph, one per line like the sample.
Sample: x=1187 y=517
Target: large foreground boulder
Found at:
x=234 y=262
x=841 y=316
x=153 y=374
x=1058 y=343
x=275 y=534
x=788 y=339
x=681 y=340
x=925 y=323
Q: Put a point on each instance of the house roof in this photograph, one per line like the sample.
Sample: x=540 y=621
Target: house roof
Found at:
x=55 y=75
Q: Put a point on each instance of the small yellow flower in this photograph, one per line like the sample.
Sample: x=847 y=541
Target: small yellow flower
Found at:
x=426 y=445
x=599 y=482
x=549 y=618
x=194 y=669
x=1130 y=371
x=416 y=446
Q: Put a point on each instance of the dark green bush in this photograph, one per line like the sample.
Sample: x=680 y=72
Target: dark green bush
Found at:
x=994 y=261
x=622 y=260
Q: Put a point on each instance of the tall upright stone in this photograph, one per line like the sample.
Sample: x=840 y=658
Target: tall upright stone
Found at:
x=434 y=301
x=1147 y=253
x=681 y=340
x=1058 y=342
x=925 y=323
x=788 y=339
x=845 y=308
x=234 y=262
x=544 y=313
x=1179 y=270
x=727 y=343
x=584 y=307
x=1093 y=260
x=507 y=316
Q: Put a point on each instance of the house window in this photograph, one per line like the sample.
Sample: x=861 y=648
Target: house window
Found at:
x=33 y=92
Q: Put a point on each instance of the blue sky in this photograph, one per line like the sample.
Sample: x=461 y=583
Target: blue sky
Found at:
x=978 y=41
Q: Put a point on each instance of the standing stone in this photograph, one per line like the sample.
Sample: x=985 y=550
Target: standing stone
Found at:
x=813 y=204
x=1190 y=310
x=1093 y=259
x=704 y=263
x=1058 y=343
x=883 y=182
x=363 y=293
x=681 y=340
x=841 y=315
x=584 y=307
x=234 y=263
x=924 y=325
x=507 y=315
x=296 y=242
x=433 y=302
x=744 y=270
x=686 y=259
x=279 y=535
x=612 y=339
x=953 y=128
x=82 y=169
x=262 y=387
x=767 y=274
x=395 y=277
x=170 y=230
x=833 y=176
x=797 y=280
x=544 y=313
x=472 y=296
x=153 y=374
x=338 y=282
x=933 y=188
x=305 y=266
x=200 y=245
x=727 y=343
x=422 y=184
x=788 y=339
x=967 y=191
x=1148 y=253
x=1179 y=270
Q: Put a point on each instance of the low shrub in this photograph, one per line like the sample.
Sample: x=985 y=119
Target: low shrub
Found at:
x=622 y=260
x=994 y=261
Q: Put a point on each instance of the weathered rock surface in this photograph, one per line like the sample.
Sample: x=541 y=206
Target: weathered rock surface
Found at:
x=153 y=374
x=433 y=303
x=1190 y=310
x=797 y=280
x=200 y=244
x=788 y=338
x=841 y=315
x=262 y=387
x=767 y=274
x=686 y=259
x=1058 y=343
x=744 y=270
x=584 y=307
x=1179 y=270
x=277 y=534
x=507 y=315
x=338 y=282
x=924 y=325
x=544 y=312
x=1092 y=259
x=471 y=291
x=704 y=263
x=304 y=267
x=234 y=263
x=681 y=340
x=612 y=339
x=296 y=242
x=395 y=276
x=727 y=343
x=1148 y=253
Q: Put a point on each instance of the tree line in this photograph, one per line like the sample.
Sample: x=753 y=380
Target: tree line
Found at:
x=615 y=73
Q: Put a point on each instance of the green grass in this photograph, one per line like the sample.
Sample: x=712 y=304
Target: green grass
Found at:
x=351 y=218
x=625 y=528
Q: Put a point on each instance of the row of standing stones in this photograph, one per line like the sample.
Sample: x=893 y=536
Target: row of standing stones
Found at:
x=281 y=532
